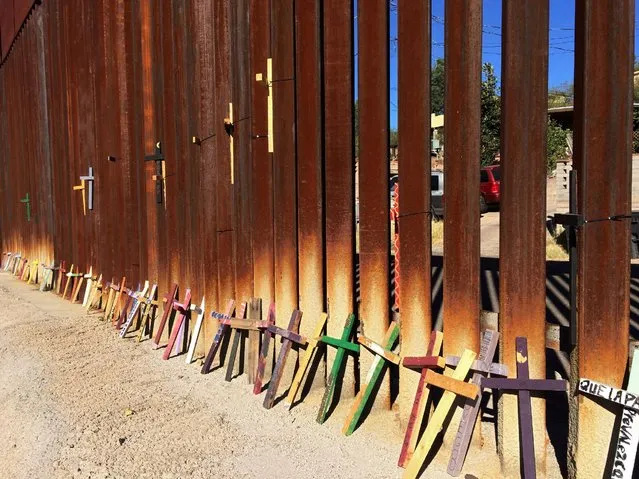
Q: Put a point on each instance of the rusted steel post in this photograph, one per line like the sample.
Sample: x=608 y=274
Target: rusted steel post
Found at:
x=523 y=211
x=602 y=152
x=414 y=173
x=374 y=170
x=243 y=174
x=310 y=231
x=225 y=234
x=262 y=192
x=149 y=140
x=206 y=160
x=340 y=168
x=284 y=164
x=461 y=175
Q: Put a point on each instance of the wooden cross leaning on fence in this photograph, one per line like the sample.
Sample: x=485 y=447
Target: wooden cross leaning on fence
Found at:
x=628 y=438
x=196 y=330
x=523 y=385
x=33 y=272
x=453 y=385
x=311 y=347
x=147 y=316
x=88 y=289
x=183 y=310
x=343 y=345
x=138 y=297
x=289 y=336
x=168 y=310
x=261 y=360
x=222 y=330
x=95 y=294
x=48 y=276
x=431 y=361
x=383 y=353
x=114 y=301
x=5 y=264
x=249 y=328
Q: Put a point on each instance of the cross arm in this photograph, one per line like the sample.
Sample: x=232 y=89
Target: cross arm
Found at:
x=521 y=384
x=459 y=387
x=340 y=343
x=422 y=362
x=379 y=349
x=287 y=334
x=251 y=324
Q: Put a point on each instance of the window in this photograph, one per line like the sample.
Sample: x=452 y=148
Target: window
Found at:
x=497 y=174
x=483 y=178
x=434 y=182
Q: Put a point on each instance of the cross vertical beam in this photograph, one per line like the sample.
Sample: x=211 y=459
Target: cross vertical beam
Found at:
x=159 y=176
x=27 y=203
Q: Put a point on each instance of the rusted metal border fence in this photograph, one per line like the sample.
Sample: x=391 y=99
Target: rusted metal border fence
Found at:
x=269 y=209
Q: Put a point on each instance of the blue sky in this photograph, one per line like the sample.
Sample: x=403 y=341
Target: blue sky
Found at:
x=562 y=36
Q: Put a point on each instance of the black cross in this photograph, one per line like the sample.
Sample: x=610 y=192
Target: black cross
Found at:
x=158 y=157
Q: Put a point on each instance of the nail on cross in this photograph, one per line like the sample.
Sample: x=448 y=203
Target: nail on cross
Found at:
x=523 y=385
x=158 y=157
x=628 y=438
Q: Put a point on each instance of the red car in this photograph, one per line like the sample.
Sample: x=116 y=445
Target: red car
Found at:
x=489 y=186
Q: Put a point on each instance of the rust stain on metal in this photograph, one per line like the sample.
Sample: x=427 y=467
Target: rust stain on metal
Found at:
x=523 y=208
x=461 y=176
x=310 y=229
x=602 y=153
x=340 y=168
x=262 y=192
x=374 y=168
x=414 y=173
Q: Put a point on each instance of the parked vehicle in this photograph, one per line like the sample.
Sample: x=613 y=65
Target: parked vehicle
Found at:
x=490 y=184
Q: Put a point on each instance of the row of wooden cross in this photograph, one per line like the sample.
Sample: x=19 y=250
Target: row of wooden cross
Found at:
x=123 y=305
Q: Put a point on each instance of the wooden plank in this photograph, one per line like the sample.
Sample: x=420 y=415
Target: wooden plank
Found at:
x=340 y=344
x=619 y=396
x=526 y=438
x=196 y=333
x=421 y=399
x=236 y=344
x=97 y=288
x=118 y=299
x=471 y=408
x=261 y=361
x=123 y=311
x=253 y=346
x=217 y=340
x=168 y=309
x=336 y=370
x=245 y=324
x=288 y=334
x=137 y=302
x=379 y=350
x=436 y=422
x=67 y=282
x=306 y=360
x=420 y=362
x=184 y=309
x=519 y=384
x=77 y=287
x=285 y=348
x=461 y=388
x=364 y=395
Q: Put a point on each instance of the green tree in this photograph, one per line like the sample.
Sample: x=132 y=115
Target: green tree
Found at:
x=490 y=115
x=561 y=95
x=437 y=86
x=556 y=137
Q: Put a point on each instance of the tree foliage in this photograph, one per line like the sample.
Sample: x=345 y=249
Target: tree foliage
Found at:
x=437 y=88
x=556 y=138
x=490 y=115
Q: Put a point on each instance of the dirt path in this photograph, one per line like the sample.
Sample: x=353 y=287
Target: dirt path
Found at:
x=67 y=379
